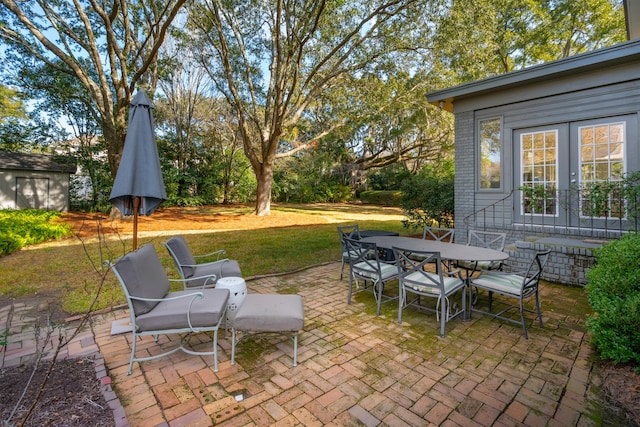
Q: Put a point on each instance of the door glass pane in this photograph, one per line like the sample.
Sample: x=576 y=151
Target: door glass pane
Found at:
x=617 y=171
x=617 y=132
x=586 y=135
x=539 y=173
x=602 y=168
x=602 y=134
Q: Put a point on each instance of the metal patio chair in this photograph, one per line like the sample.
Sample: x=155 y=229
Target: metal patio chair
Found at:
x=351 y=232
x=154 y=310
x=365 y=265
x=438 y=234
x=484 y=239
x=520 y=285
x=442 y=284
x=204 y=274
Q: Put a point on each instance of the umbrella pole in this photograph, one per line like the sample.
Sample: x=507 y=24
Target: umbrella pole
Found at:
x=136 y=205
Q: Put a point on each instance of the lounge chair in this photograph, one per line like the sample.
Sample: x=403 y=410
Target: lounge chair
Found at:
x=154 y=310
x=199 y=275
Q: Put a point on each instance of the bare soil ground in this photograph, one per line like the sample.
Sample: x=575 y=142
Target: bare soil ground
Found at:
x=74 y=397
x=71 y=397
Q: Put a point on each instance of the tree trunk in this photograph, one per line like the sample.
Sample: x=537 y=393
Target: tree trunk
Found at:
x=263 y=194
x=114 y=134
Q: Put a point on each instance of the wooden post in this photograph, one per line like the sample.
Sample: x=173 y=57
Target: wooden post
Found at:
x=136 y=205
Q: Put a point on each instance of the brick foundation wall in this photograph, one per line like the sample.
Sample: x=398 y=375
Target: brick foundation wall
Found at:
x=566 y=264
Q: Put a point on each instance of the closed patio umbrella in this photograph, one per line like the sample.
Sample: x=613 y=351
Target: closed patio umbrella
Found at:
x=139 y=187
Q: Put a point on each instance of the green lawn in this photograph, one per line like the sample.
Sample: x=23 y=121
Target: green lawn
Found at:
x=73 y=270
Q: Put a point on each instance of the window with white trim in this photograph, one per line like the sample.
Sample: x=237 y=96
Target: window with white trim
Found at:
x=490 y=131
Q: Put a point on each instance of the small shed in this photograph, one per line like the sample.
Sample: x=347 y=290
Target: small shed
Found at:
x=34 y=181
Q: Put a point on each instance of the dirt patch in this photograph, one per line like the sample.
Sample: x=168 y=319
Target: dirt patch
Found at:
x=71 y=397
x=621 y=389
x=235 y=217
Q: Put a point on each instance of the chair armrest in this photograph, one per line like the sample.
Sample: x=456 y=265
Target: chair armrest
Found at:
x=211 y=278
x=511 y=269
x=205 y=263
x=218 y=253
x=457 y=272
x=195 y=294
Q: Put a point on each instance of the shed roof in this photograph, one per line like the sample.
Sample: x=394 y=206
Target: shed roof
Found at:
x=34 y=162
x=597 y=59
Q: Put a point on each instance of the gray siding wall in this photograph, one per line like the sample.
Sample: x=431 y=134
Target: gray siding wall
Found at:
x=595 y=103
x=567 y=264
x=465 y=174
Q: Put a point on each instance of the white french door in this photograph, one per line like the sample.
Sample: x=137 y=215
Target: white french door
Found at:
x=571 y=173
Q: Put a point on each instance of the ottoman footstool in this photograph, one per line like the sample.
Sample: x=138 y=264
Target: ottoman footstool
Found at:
x=269 y=313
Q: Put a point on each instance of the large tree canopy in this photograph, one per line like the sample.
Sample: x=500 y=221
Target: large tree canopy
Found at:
x=11 y=105
x=109 y=47
x=482 y=38
x=274 y=59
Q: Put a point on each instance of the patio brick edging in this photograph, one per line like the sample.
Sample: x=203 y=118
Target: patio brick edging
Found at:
x=119 y=417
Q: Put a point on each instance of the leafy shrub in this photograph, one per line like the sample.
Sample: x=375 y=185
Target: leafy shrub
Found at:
x=428 y=198
x=19 y=228
x=388 y=177
x=382 y=197
x=187 y=202
x=613 y=290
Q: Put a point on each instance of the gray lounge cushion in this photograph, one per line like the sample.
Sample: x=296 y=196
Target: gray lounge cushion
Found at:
x=222 y=268
x=145 y=277
x=172 y=314
x=181 y=250
x=270 y=313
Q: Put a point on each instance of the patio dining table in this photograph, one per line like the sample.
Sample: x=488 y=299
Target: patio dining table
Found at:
x=448 y=251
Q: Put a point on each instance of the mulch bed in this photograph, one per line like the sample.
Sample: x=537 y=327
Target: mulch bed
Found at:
x=71 y=397
x=621 y=388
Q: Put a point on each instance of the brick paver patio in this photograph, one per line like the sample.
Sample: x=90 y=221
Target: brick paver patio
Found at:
x=356 y=368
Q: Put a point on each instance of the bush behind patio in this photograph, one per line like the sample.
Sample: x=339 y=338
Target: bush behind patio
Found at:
x=613 y=290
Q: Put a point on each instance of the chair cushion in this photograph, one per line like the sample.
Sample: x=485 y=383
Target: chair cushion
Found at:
x=450 y=283
x=222 y=268
x=172 y=314
x=363 y=269
x=182 y=252
x=270 y=313
x=479 y=265
x=143 y=276
x=503 y=283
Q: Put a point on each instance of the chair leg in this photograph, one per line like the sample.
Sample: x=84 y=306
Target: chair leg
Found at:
x=215 y=350
x=524 y=324
x=443 y=313
x=464 y=303
x=295 y=349
x=538 y=307
x=402 y=297
x=233 y=346
x=341 y=268
x=380 y=285
x=133 y=354
x=350 y=288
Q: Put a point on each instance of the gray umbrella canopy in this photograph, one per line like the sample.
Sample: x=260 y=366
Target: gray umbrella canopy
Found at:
x=139 y=187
